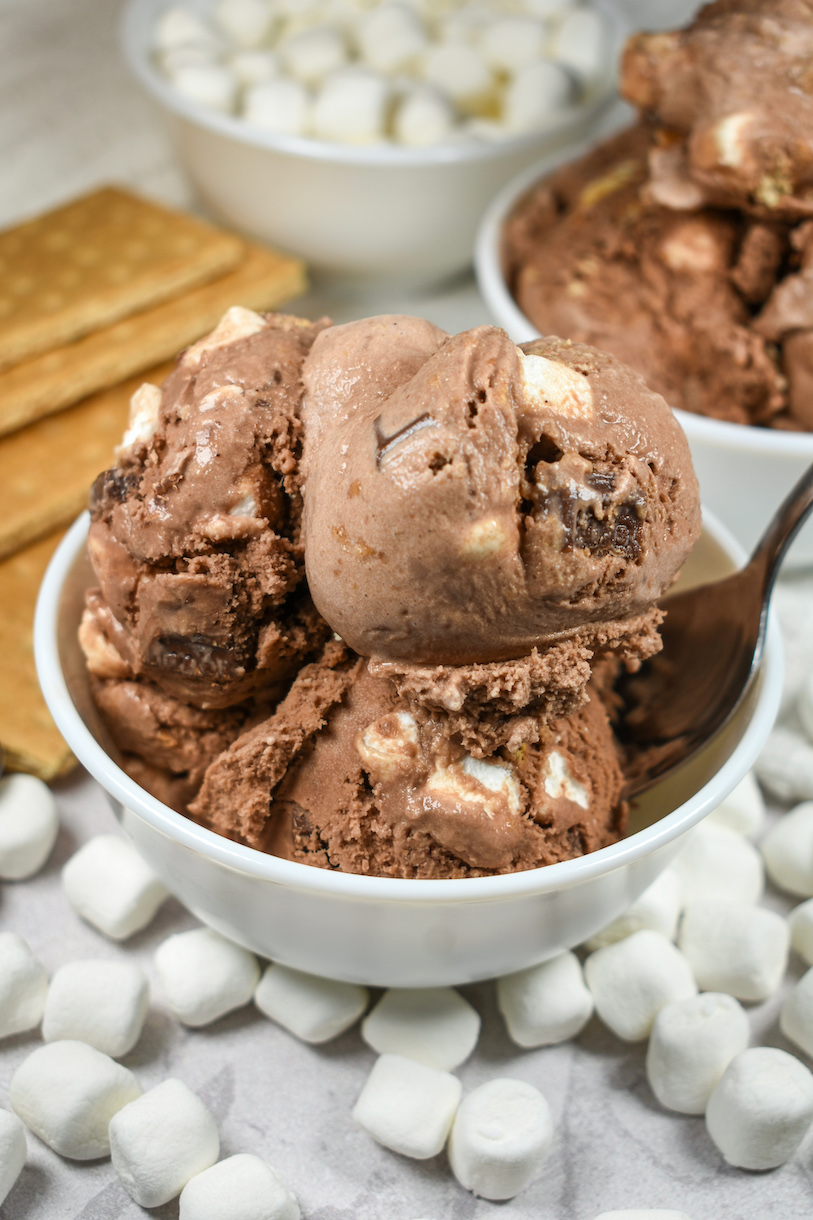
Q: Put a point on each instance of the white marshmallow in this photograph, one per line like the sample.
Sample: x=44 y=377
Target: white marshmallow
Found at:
x=545 y=1004
x=161 y=1140
x=644 y=1213
x=501 y=1136
x=13 y=1151
x=511 y=43
x=313 y=54
x=785 y=766
x=407 y=1106
x=804 y=706
x=796 y=1017
x=736 y=948
x=29 y=824
x=212 y=85
x=203 y=975
x=181 y=27
x=246 y=22
x=311 y=1008
x=761 y=1108
x=240 y=1188
x=538 y=95
x=103 y=1003
x=633 y=979
x=390 y=37
x=743 y=810
x=23 y=986
x=658 y=908
x=800 y=922
x=67 y=1092
x=459 y=71
x=254 y=67
x=580 y=42
x=433 y=1025
x=351 y=107
x=692 y=1043
x=422 y=116
x=788 y=851
x=280 y=105
x=111 y=887
x=189 y=55
x=720 y=865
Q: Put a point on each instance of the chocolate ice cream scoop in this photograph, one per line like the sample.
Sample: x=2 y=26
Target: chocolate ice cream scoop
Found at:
x=474 y=500
x=195 y=537
x=735 y=92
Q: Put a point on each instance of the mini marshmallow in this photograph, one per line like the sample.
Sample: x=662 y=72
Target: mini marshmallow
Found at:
x=190 y=55
x=545 y=1004
x=161 y=1140
x=736 y=948
x=433 y=1025
x=390 y=37
x=311 y=1008
x=579 y=42
x=691 y=1044
x=422 y=116
x=103 y=1003
x=181 y=27
x=23 y=986
x=785 y=766
x=720 y=865
x=788 y=851
x=761 y=1109
x=633 y=979
x=796 y=1017
x=407 y=1106
x=240 y=1188
x=501 y=1136
x=658 y=908
x=313 y=54
x=459 y=71
x=538 y=95
x=743 y=810
x=351 y=107
x=246 y=22
x=254 y=67
x=29 y=824
x=204 y=975
x=511 y=43
x=111 y=887
x=13 y=1151
x=212 y=85
x=67 y=1093
x=800 y=922
x=279 y=105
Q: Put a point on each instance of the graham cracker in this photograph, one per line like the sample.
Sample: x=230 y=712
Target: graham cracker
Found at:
x=262 y=280
x=95 y=260
x=29 y=738
x=46 y=470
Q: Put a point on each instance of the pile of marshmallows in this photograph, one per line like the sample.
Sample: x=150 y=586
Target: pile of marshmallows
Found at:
x=686 y=998
x=412 y=72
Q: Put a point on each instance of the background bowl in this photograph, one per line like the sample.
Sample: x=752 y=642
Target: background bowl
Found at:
x=744 y=472
x=383 y=212
x=377 y=930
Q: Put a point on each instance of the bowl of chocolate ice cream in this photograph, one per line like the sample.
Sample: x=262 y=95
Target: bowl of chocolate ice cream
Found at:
x=683 y=245
x=339 y=636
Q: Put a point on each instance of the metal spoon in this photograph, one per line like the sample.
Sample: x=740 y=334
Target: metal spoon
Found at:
x=713 y=639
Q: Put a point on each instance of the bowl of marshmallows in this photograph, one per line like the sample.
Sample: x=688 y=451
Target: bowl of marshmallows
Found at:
x=369 y=135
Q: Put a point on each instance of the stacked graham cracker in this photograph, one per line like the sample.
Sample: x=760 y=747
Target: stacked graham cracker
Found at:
x=95 y=298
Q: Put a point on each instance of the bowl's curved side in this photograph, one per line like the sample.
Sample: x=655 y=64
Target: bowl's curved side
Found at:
x=378 y=930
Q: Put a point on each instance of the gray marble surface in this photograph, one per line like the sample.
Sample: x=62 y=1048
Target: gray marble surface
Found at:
x=70 y=118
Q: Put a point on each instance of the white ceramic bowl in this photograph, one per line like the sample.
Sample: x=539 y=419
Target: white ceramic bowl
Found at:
x=384 y=212
x=744 y=472
x=376 y=930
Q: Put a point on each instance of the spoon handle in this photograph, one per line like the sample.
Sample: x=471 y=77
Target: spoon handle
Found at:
x=783 y=528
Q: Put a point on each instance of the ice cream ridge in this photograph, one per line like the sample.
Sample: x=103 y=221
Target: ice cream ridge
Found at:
x=362 y=589
x=684 y=245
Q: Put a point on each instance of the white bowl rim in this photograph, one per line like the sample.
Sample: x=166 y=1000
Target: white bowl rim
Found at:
x=384 y=154
x=304 y=877
x=492 y=284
